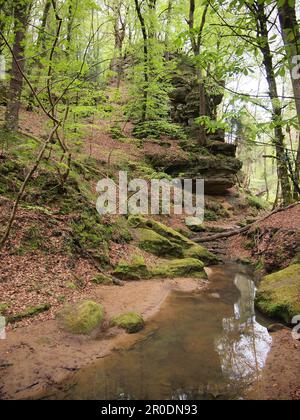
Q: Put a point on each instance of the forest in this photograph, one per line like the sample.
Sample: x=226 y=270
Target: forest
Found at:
x=107 y=293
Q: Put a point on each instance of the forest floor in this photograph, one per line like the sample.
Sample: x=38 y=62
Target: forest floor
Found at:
x=30 y=279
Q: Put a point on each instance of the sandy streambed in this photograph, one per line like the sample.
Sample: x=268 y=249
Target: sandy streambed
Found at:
x=35 y=357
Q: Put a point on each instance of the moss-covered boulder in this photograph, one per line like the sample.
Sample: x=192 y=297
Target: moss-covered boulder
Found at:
x=187 y=267
x=160 y=240
x=138 y=221
x=102 y=279
x=200 y=253
x=136 y=270
x=278 y=295
x=81 y=318
x=156 y=244
x=131 y=322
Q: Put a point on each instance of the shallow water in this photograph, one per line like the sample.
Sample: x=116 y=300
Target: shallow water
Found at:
x=206 y=345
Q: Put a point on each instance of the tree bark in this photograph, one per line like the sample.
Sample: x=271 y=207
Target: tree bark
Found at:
x=146 y=59
x=282 y=167
x=196 y=45
x=21 y=15
x=291 y=38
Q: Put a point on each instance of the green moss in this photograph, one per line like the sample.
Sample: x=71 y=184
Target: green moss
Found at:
x=102 y=279
x=28 y=313
x=249 y=245
x=296 y=259
x=188 y=267
x=197 y=228
x=3 y=308
x=278 y=295
x=155 y=244
x=81 y=318
x=91 y=235
x=71 y=286
x=200 y=253
x=137 y=270
x=158 y=129
x=161 y=229
x=257 y=202
x=211 y=216
x=160 y=240
x=131 y=322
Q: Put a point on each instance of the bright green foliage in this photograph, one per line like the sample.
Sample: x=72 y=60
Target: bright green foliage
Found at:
x=158 y=129
x=257 y=202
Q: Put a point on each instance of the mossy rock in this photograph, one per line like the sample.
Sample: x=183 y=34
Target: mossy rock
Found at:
x=137 y=270
x=200 y=253
x=187 y=267
x=160 y=240
x=102 y=279
x=156 y=244
x=82 y=317
x=278 y=295
x=131 y=322
x=159 y=228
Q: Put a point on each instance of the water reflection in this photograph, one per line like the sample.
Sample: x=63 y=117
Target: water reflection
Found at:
x=200 y=346
x=244 y=344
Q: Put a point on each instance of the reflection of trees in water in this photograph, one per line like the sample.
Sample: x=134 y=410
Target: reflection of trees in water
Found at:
x=245 y=344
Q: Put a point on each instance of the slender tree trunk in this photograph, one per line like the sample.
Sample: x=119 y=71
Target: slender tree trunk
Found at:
x=291 y=38
x=119 y=35
x=146 y=59
x=21 y=14
x=196 y=45
x=167 y=35
x=41 y=46
x=283 y=172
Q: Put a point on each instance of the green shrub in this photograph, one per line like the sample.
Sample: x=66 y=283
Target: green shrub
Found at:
x=157 y=129
x=257 y=203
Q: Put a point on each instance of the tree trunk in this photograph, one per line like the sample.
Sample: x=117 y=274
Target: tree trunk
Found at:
x=291 y=38
x=41 y=47
x=196 y=45
x=282 y=167
x=21 y=13
x=146 y=59
x=119 y=35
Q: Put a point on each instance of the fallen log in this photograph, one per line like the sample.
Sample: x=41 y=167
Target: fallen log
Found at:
x=236 y=232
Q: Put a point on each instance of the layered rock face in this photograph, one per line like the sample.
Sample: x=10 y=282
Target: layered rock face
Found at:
x=219 y=171
x=216 y=163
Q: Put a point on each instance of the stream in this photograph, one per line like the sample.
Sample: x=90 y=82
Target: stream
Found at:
x=201 y=345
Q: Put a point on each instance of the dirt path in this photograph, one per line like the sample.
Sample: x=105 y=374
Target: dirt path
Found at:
x=39 y=355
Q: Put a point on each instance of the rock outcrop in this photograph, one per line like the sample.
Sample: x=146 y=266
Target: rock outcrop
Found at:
x=215 y=162
x=219 y=171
